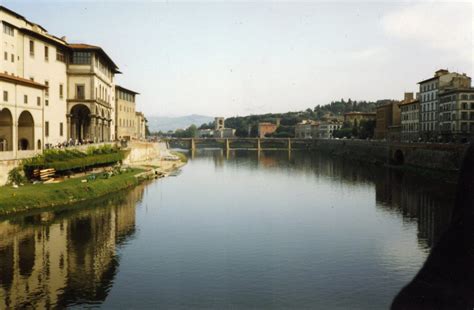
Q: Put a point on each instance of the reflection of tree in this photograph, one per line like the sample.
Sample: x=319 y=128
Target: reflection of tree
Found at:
x=58 y=259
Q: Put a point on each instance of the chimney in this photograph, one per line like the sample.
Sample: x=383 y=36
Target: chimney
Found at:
x=63 y=38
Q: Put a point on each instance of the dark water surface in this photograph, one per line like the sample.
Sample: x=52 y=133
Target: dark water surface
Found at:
x=238 y=231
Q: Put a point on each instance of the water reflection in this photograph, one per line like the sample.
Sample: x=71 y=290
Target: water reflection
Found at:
x=65 y=257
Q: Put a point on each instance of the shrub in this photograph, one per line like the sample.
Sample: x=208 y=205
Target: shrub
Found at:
x=16 y=176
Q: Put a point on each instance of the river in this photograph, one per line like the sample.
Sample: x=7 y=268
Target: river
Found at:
x=239 y=230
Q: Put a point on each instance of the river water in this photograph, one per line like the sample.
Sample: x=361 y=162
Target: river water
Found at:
x=238 y=230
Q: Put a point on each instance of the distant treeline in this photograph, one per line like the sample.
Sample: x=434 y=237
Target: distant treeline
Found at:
x=247 y=126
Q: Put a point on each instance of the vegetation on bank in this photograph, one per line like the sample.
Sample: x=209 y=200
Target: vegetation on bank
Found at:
x=31 y=196
x=72 y=160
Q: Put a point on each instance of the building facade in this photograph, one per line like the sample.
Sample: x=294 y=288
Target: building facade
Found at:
x=387 y=121
x=357 y=117
x=266 y=128
x=429 y=99
x=53 y=92
x=140 y=121
x=327 y=128
x=126 y=124
x=456 y=119
x=304 y=130
x=410 y=120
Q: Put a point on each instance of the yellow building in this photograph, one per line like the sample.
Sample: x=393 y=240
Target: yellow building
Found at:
x=126 y=126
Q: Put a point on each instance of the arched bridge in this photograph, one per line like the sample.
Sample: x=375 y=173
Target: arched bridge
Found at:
x=241 y=143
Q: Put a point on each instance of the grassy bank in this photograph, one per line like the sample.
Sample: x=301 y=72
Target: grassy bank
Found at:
x=32 y=196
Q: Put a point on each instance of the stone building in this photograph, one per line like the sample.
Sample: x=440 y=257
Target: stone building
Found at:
x=265 y=128
x=304 y=130
x=52 y=91
x=410 y=119
x=387 y=123
x=220 y=131
x=91 y=94
x=456 y=117
x=353 y=117
x=126 y=125
x=327 y=128
x=429 y=100
x=140 y=127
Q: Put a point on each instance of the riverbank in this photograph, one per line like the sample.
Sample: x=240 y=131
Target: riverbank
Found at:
x=79 y=189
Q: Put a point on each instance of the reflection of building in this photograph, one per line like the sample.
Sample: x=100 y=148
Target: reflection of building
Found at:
x=304 y=130
x=52 y=261
x=357 y=117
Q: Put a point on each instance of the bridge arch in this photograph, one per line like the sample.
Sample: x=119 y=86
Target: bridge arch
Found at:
x=398 y=157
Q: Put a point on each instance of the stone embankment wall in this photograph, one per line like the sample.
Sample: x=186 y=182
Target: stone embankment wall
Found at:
x=144 y=151
x=423 y=155
x=5 y=167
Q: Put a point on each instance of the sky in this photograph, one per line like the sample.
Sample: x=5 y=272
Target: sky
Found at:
x=239 y=58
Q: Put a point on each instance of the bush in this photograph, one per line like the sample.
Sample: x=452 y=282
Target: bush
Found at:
x=66 y=160
x=16 y=176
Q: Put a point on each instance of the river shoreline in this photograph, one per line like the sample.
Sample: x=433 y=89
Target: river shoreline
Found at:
x=72 y=191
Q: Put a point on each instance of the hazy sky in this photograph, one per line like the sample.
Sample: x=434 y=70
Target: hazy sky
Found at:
x=221 y=58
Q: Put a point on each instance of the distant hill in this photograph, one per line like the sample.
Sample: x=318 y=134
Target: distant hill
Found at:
x=164 y=123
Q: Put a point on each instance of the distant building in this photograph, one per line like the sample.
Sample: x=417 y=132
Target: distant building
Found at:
x=224 y=133
x=126 y=124
x=456 y=113
x=410 y=119
x=387 y=123
x=219 y=123
x=352 y=117
x=140 y=126
x=327 y=128
x=205 y=133
x=429 y=100
x=266 y=128
x=220 y=131
x=304 y=130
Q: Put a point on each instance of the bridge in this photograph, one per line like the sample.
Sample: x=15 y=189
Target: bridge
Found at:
x=258 y=144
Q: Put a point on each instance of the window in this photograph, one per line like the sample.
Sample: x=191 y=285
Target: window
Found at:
x=5 y=96
x=32 y=48
x=46 y=129
x=61 y=129
x=25 y=98
x=46 y=102
x=81 y=58
x=46 y=91
x=464 y=106
x=463 y=126
x=60 y=56
x=80 y=91
x=8 y=29
x=464 y=115
x=61 y=91
x=12 y=58
x=464 y=97
x=5 y=56
x=46 y=53
x=38 y=101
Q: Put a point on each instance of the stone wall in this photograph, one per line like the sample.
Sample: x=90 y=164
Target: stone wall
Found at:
x=423 y=155
x=5 y=167
x=143 y=151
